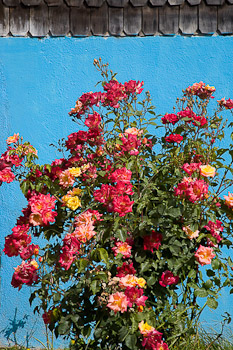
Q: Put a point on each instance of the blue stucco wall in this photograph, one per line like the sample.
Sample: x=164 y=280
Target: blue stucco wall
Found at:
x=40 y=81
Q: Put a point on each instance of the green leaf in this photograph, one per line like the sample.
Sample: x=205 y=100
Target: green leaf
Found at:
x=212 y=303
x=231 y=152
x=151 y=281
x=103 y=255
x=121 y=234
x=215 y=263
x=98 y=333
x=122 y=334
x=201 y=292
x=101 y=275
x=192 y=274
x=145 y=266
x=208 y=284
x=24 y=187
x=130 y=341
x=210 y=273
x=174 y=212
x=94 y=285
x=82 y=264
x=64 y=327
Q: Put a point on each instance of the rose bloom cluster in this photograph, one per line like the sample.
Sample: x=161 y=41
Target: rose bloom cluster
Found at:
x=174 y=138
x=152 y=339
x=40 y=211
x=201 y=90
x=204 y=170
x=83 y=232
x=8 y=160
x=190 y=168
x=84 y=147
x=13 y=157
x=25 y=273
x=116 y=197
x=186 y=115
x=132 y=142
x=152 y=241
x=131 y=290
x=228 y=104
x=114 y=93
x=67 y=177
x=192 y=189
x=122 y=248
x=229 y=200
x=18 y=243
x=215 y=228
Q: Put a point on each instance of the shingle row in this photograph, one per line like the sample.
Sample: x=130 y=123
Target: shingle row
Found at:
x=114 y=3
x=63 y=18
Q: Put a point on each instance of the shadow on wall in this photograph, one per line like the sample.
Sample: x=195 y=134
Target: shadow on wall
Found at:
x=13 y=328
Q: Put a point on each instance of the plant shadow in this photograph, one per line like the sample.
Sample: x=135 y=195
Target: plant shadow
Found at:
x=10 y=331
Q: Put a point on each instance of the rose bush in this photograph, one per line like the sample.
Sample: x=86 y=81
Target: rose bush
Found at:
x=128 y=228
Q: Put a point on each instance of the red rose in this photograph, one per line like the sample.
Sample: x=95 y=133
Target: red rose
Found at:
x=174 y=138
x=168 y=278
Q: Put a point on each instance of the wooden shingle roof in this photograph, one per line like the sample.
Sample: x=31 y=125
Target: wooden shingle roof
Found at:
x=39 y=18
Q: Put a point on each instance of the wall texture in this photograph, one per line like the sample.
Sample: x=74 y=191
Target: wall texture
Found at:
x=40 y=81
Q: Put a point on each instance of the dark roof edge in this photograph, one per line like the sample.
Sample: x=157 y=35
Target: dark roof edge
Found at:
x=59 y=18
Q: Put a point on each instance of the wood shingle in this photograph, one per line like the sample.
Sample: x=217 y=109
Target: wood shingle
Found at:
x=132 y=20
x=39 y=20
x=31 y=2
x=99 y=20
x=19 y=20
x=207 y=18
x=158 y=2
x=74 y=3
x=188 y=19
x=225 y=19
x=169 y=19
x=194 y=2
x=150 y=20
x=11 y=3
x=175 y=2
x=58 y=20
x=117 y=3
x=138 y=2
x=80 y=21
x=54 y=2
x=116 y=21
x=94 y=3
x=4 y=20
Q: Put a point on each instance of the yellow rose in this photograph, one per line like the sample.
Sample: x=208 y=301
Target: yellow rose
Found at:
x=141 y=282
x=145 y=328
x=75 y=171
x=207 y=170
x=65 y=198
x=73 y=203
x=34 y=263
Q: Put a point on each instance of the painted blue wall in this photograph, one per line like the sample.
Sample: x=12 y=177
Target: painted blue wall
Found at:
x=41 y=80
